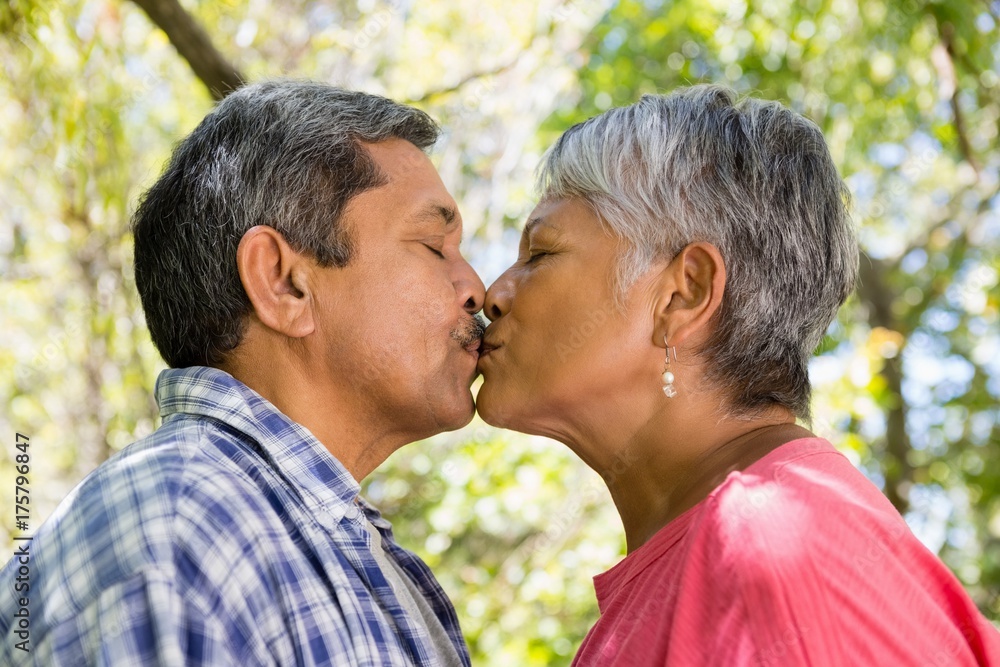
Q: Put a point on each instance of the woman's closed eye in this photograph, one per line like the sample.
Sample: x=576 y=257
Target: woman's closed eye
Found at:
x=535 y=255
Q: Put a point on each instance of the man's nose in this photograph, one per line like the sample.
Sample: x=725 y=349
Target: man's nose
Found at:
x=498 y=296
x=471 y=289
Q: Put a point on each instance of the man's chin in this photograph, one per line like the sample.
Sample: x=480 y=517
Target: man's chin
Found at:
x=467 y=415
x=459 y=414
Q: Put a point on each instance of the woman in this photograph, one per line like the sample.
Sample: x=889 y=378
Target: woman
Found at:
x=687 y=256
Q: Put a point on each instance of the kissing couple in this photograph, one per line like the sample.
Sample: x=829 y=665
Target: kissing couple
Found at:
x=299 y=268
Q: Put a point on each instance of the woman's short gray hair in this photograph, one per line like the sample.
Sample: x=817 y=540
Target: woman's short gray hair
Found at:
x=754 y=179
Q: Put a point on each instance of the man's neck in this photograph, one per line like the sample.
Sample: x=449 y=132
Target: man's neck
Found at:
x=358 y=442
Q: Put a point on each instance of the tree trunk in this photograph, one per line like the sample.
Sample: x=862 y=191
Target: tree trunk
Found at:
x=898 y=472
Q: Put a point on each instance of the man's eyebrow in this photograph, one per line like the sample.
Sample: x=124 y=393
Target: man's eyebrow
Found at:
x=435 y=213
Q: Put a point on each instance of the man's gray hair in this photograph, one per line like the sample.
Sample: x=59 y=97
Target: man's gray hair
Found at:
x=286 y=154
x=754 y=179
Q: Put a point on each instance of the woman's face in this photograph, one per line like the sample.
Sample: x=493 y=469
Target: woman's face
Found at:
x=557 y=346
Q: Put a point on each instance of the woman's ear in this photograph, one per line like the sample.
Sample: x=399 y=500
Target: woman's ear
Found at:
x=275 y=279
x=690 y=292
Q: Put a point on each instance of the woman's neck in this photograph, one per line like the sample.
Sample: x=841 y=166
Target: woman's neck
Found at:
x=670 y=470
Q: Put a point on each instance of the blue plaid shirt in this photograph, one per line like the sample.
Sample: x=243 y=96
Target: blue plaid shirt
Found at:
x=230 y=536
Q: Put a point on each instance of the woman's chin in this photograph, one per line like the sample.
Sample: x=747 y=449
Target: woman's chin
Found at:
x=493 y=409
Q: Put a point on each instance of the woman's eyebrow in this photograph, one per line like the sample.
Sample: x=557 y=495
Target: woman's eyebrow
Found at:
x=534 y=222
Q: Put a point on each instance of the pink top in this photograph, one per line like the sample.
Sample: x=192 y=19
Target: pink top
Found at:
x=797 y=560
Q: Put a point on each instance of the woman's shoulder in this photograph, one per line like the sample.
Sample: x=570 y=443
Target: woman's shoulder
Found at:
x=799 y=503
x=803 y=540
x=804 y=520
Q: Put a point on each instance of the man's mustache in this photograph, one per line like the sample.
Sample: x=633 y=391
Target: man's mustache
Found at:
x=469 y=331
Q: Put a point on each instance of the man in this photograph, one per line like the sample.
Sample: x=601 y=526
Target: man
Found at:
x=299 y=268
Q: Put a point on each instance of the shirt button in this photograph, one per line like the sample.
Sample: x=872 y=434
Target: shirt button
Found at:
x=352 y=512
x=326 y=521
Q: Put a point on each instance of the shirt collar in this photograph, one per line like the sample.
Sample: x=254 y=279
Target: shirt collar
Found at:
x=295 y=453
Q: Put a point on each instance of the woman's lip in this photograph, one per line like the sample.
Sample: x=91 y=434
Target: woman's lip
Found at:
x=486 y=349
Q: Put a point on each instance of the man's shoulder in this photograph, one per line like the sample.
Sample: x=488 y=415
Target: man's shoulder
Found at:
x=138 y=509
x=145 y=481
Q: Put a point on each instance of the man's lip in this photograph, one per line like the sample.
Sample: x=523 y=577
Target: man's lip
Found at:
x=474 y=347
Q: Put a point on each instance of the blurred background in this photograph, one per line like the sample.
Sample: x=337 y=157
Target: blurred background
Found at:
x=93 y=94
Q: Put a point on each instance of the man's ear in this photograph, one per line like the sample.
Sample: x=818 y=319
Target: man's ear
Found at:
x=275 y=279
x=689 y=292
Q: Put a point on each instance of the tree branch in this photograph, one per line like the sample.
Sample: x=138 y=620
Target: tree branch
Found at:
x=949 y=77
x=499 y=69
x=194 y=45
x=436 y=92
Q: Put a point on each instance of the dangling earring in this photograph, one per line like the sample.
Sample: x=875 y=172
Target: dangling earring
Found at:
x=668 y=376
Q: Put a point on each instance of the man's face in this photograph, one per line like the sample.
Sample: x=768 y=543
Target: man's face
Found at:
x=397 y=321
